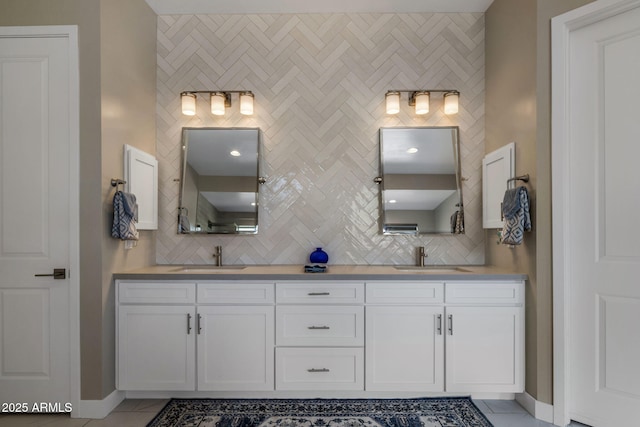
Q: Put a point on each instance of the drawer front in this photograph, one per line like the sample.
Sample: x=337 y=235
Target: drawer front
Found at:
x=319 y=293
x=156 y=292
x=494 y=293
x=320 y=326
x=235 y=293
x=405 y=293
x=319 y=369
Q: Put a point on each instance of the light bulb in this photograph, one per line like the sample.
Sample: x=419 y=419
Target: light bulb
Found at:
x=188 y=103
x=246 y=103
x=217 y=103
x=393 y=102
x=451 y=102
x=422 y=102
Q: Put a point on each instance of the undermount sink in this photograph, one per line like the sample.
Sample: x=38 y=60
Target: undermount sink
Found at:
x=209 y=268
x=431 y=269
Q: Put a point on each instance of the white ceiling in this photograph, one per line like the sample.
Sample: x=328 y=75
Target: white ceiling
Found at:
x=172 y=7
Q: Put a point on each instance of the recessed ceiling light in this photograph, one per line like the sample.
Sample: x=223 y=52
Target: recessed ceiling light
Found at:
x=412 y=150
x=235 y=153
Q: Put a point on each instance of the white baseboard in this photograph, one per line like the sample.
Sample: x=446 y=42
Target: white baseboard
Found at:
x=539 y=410
x=98 y=409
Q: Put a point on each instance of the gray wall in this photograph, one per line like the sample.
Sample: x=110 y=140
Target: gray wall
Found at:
x=518 y=108
x=117 y=104
x=319 y=82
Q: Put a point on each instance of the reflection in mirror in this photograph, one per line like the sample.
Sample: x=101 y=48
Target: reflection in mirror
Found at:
x=220 y=174
x=421 y=189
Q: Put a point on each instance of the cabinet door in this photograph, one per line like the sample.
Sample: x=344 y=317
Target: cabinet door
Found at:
x=235 y=348
x=485 y=349
x=404 y=348
x=497 y=167
x=156 y=347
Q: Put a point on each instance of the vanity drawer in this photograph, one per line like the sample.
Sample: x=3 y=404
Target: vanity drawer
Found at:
x=485 y=293
x=235 y=293
x=405 y=293
x=319 y=325
x=319 y=293
x=319 y=369
x=156 y=292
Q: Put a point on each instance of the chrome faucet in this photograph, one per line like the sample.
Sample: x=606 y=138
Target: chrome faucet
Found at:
x=421 y=256
x=218 y=256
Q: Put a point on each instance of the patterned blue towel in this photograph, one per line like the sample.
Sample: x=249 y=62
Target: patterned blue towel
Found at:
x=517 y=220
x=125 y=216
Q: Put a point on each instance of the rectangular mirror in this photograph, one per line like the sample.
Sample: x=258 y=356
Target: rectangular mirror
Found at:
x=220 y=181
x=421 y=190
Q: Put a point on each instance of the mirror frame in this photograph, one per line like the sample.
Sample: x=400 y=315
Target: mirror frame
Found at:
x=183 y=162
x=409 y=229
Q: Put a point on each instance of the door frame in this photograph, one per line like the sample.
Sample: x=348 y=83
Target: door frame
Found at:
x=69 y=32
x=561 y=28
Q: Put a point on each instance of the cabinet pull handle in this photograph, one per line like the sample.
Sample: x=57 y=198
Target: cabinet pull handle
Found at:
x=450 y=324
x=318 y=327
x=188 y=323
x=315 y=294
x=318 y=370
x=198 y=323
x=439 y=328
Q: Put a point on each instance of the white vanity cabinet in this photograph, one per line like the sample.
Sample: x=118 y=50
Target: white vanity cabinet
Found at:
x=454 y=337
x=334 y=337
x=319 y=336
x=195 y=336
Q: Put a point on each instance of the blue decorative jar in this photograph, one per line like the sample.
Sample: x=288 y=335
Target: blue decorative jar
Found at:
x=319 y=256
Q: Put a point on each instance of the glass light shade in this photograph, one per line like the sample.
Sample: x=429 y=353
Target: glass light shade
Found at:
x=393 y=102
x=451 y=102
x=422 y=102
x=246 y=103
x=188 y=104
x=217 y=103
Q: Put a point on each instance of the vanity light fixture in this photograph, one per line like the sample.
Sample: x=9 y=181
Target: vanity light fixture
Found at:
x=419 y=99
x=220 y=100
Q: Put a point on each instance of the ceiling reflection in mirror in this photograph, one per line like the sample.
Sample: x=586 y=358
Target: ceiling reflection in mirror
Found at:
x=220 y=181
x=421 y=185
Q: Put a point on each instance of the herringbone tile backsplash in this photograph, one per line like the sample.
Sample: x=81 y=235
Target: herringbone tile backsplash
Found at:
x=319 y=83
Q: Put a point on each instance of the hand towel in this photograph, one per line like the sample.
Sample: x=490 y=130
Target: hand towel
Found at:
x=125 y=216
x=517 y=219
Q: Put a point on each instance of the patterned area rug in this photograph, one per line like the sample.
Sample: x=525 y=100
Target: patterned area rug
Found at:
x=423 y=412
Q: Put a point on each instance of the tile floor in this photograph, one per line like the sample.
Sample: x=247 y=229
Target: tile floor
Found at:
x=137 y=413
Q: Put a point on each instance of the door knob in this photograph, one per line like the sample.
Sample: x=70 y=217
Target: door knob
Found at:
x=58 y=274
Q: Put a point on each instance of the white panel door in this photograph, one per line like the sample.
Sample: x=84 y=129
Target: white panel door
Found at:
x=604 y=237
x=34 y=219
x=404 y=348
x=235 y=348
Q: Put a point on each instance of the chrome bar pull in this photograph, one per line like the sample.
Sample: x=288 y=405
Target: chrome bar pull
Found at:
x=188 y=323
x=198 y=323
x=450 y=324
x=58 y=274
x=318 y=370
x=315 y=294
x=439 y=327
x=318 y=327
